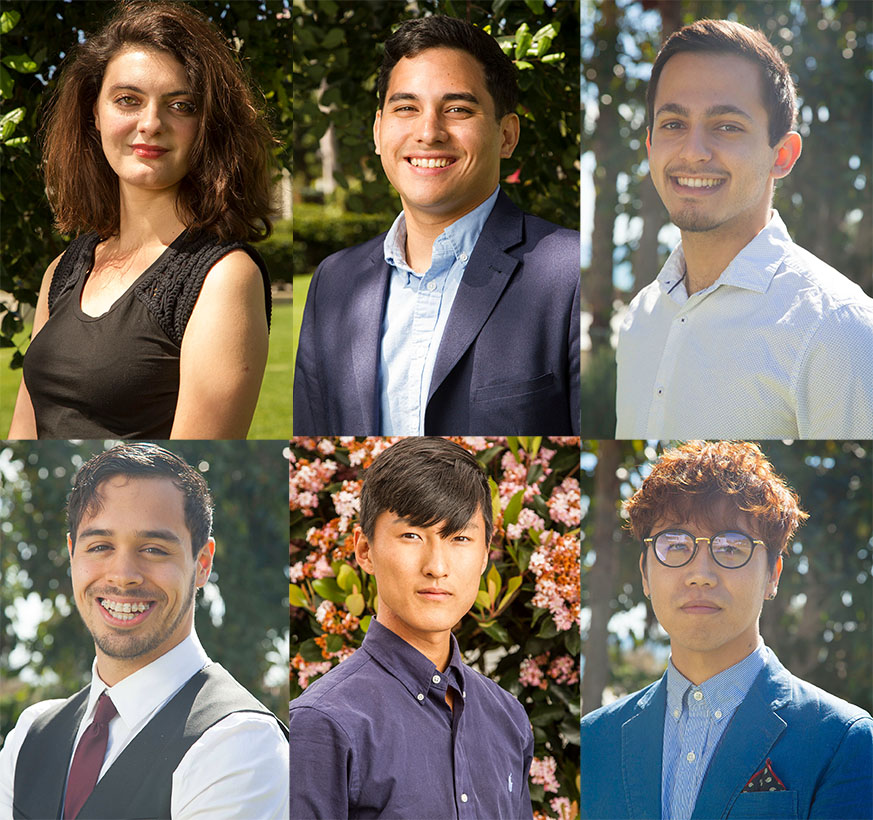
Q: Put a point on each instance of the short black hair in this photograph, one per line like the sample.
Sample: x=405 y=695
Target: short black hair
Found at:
x=438 y=31
x=728 y=37
x=142 y=460
x=426 y=480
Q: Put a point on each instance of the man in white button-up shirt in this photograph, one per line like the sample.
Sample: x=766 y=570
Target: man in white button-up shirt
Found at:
x=187 y=740
x=743 y=333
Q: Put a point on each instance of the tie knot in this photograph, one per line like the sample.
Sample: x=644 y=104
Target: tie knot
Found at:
x=105 y=709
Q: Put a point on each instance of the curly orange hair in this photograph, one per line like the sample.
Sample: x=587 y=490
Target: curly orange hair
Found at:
x=696 y=481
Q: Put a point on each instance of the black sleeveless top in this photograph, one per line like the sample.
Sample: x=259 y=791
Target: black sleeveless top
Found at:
x=117 y=375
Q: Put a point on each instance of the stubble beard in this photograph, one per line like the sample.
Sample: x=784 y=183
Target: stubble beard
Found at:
x=127 y=647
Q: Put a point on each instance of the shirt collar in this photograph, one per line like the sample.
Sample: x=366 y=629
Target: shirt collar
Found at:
x=723 y=692
x=408 y=665
x=752 y=268
x=139 y=694
x=458 y=238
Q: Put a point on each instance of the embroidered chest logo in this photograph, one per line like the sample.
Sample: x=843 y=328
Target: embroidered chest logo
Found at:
x=510 y=782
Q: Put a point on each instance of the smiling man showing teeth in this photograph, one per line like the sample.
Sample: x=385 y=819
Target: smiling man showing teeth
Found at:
x=410 y=332
x=727 y=731
x=161 y=731
x=404 y=728
x=743 y=333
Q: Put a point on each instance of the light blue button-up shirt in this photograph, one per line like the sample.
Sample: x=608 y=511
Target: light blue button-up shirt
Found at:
x=415 y=317
x=694 y=722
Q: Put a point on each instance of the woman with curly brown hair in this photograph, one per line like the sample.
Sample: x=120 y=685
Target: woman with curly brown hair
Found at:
x=153 y=323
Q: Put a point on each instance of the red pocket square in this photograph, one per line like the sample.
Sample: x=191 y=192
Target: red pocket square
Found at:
x=765 y=780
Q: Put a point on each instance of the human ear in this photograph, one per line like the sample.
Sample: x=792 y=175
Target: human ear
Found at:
x=773 y=581
x=510 y=129
x=787 y=153
x=70 y=546
x=377 y=130
x=204 y=563
x=96 y=117
x=646 y=591
x=363 y=552
x=648 y=143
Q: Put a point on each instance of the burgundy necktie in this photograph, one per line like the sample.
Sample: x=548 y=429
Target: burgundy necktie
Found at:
x=88 y=759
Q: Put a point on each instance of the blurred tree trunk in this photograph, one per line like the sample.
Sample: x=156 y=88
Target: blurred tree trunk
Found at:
x=602 y=578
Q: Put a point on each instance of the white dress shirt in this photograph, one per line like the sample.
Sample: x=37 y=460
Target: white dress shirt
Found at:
x=237 y=769
x=779 y=346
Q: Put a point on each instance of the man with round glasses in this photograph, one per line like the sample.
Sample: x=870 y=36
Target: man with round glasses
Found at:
x=727 y=731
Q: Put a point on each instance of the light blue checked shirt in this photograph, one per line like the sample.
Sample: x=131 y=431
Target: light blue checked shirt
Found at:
x=694 y=723
x=415 y=317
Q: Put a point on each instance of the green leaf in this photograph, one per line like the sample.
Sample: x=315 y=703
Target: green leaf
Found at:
x=522 y=40
x=573 y=641
x=482 y=598
x=347 y=578
x=355 y=603
x=333 y=643
x=547 y=32
x=311 y=651
x=534 y=446
x=513 y=508
x=554 y=58
x=328 y=589
x=6 y=84
x=512 y=585
x=496 y=631
x=495 y=498
x=512 y=443
x=8 y=20
x=333 y=38
x=523 y=65
x=536 y=6
x=20 y=63
x=493 y=582
x=297 y=596
x=365 y=623
x=548 y=629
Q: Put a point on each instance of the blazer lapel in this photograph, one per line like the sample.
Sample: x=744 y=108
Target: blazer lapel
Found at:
x=642 y=742
x=485 y=278
x=753 y=730
x=364 y=332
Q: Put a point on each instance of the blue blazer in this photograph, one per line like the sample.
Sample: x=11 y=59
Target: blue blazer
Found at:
x=819 y=746
x=508 y=362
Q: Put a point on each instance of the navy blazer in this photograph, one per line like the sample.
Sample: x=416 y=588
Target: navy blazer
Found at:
x=508 y=362
x=819 y=746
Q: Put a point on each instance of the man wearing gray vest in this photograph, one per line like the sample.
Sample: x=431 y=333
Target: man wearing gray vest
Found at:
x=161 y=731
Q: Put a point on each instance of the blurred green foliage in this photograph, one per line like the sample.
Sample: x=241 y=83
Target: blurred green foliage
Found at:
x=241 y=617
x=34 y=39
x=336 y=55
x=819 y=625
x=523 y=628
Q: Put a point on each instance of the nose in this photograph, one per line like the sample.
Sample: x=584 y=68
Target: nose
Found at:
x=702 y=571
x=150 y=121
x=695 y=146
x=124 y=570
x=436 y=560
x=430 y=127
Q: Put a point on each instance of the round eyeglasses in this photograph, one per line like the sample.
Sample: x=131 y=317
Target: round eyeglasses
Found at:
x=729 y=549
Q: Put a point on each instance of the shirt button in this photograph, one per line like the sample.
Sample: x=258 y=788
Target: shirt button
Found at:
x=690 y=757
x=463 y=257
x=464 y=694
x=431 y=286
x=419 y=696
x=718 y=714
x=676 y=714
x=464 y=798
x=698 y=696
x=436 y=678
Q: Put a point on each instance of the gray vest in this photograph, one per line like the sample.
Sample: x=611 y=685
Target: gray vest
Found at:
x=138 y=785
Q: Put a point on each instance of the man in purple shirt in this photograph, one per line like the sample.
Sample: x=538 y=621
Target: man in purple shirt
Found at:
x=404 y=728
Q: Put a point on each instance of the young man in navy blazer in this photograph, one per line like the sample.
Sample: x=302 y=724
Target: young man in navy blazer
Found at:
x=727 y=731
x=464 y=317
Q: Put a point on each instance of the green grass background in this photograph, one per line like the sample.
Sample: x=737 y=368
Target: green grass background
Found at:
x=273 y=414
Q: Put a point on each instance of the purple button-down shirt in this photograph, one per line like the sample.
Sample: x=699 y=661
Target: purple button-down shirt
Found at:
x=376 y=738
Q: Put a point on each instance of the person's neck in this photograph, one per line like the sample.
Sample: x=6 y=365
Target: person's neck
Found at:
x=147 y=218
x=435 y=646
x=114 y=670
x=701 y=666
x=708 y=253
x=422 y=230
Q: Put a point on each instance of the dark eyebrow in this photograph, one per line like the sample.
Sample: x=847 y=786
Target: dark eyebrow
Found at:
x=457 y=96
x=148 y=535
x=712 y=111
x=177 y=93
